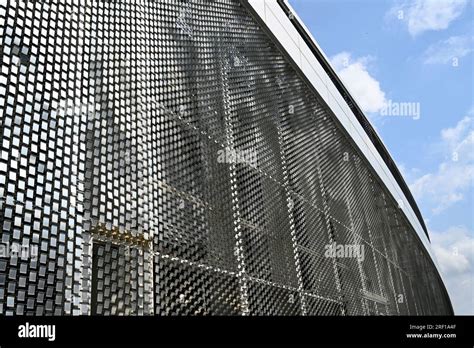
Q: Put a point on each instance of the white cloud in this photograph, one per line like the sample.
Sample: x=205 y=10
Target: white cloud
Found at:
x=446 y=186
x=454 y=250
x=444 y=52
x=363 y=87
x=425 y=15
x=460 y=139
x=455 y=175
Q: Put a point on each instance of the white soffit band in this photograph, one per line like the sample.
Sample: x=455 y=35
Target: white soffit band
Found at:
x=282 y=28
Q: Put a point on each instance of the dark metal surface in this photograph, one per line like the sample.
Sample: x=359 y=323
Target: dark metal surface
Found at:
x=364 y=122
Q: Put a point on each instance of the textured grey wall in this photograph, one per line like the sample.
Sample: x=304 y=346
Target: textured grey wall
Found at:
x=165 y=158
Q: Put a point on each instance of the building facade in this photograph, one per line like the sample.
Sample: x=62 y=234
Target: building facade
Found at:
x=179 y=158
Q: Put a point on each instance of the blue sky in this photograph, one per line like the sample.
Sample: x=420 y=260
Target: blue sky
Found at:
x=389 y=52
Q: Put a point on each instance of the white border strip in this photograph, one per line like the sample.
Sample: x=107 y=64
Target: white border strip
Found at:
x=281 y=26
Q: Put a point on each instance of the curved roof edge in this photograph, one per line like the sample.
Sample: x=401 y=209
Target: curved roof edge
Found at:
x=296 y=41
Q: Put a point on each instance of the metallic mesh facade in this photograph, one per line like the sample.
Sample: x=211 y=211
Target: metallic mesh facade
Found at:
x=165 y=158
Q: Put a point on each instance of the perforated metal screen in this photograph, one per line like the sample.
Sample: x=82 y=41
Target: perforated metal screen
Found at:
x=164 y=157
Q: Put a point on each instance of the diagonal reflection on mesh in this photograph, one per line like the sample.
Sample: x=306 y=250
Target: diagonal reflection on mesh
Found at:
x=114 y=115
